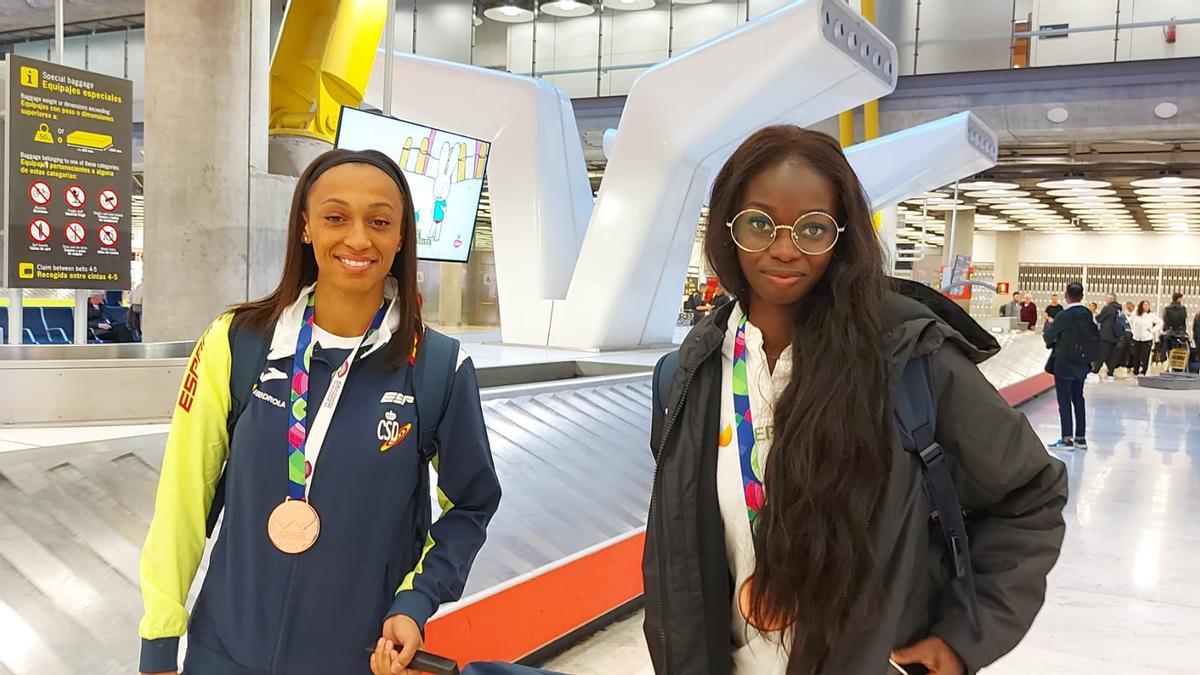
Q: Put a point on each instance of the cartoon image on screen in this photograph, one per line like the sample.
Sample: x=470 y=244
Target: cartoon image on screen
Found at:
x=444 y=170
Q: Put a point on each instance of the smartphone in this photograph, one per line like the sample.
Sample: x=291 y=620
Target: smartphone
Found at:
x=911 y=669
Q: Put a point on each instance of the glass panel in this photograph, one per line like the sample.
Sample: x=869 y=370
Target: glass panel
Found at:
x=106 y=53
x=567 y=47
x=954 y=36
x=137 y=71
x=444 y=30
x=1161 y=42
x=637 y=38
x=491 y=45
x=34 y=50
x=697 y=24
x=73 y=48
x=1083 y=47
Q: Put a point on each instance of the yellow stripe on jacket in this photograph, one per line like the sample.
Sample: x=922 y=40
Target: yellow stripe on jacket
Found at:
x=197 y=447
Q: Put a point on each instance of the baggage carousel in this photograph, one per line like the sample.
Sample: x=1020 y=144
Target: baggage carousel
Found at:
x=570 y=441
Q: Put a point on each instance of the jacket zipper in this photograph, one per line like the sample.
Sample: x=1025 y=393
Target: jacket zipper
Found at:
x=662 y=571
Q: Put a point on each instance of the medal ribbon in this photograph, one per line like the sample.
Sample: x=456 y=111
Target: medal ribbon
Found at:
x=300 y=466
x=752 y=484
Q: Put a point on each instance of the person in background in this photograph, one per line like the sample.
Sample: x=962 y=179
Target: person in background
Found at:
x=1092 y=307
x=135 y=309
x=101 y=325
x=718 y=299
x=1052 y=310
x=1128 y=353
x=1073 y=337
x=696 y=305
x=1013 y=309
x=1110 y=336
x=1174 y=318
x=1145 y=325
x=1029 y=312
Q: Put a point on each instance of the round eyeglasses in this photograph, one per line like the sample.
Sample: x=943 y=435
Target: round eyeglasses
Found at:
x=814 y=233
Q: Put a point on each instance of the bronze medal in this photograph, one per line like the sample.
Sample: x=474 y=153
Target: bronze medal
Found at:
x=294 y=526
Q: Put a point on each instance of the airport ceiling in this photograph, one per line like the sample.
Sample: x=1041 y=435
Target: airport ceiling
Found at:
x=1110 y=187
x=22 y=20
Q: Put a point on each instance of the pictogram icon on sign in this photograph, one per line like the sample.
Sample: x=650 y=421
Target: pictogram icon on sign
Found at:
x=39 y=231
x=76 y=197
x=75 y=233
x=43 y=135
x=108 y=236
x=39 y=192
x=109 y=201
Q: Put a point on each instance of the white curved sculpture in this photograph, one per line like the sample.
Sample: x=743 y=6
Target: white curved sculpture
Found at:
x=537 y=178
x=897 y=166
x=824 y=58
x=625 y=289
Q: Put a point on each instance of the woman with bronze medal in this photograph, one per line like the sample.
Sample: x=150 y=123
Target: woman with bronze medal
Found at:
x=790 y=528
x=316 y=561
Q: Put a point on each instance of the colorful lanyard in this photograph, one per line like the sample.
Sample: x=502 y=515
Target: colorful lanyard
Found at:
x=302 y=454
x=744 y=423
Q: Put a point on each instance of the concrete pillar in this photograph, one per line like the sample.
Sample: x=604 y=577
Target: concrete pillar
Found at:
x=1008 y=266
x=450 y=311
x=205 y=136
x=960 y=240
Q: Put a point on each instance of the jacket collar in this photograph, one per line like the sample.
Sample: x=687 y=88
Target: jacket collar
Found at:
x=918 y=320
x=706 y=338
x=287 y=328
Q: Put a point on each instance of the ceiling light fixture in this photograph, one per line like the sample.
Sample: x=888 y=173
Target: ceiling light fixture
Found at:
x=986 y=185
x=1073 y=184
x=1166 y=181
x=509 y=11
x=629 y=5
x=568 y=9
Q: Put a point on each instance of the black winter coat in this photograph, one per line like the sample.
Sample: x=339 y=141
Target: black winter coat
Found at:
x=1014 y=490
x=1107 y=320
x=1175 y=318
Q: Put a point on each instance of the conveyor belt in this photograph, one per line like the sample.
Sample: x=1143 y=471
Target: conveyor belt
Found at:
x=573 y=460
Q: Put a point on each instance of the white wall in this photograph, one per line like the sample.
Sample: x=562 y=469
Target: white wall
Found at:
x=1095 y=47
x=628 y=39
x=984 y=246
x=1098 y=249
x=955 y=35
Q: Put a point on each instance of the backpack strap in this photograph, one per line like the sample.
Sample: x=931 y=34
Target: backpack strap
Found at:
x=248 y=353
x=436 y=362
x=660 y=396
x=916 y=417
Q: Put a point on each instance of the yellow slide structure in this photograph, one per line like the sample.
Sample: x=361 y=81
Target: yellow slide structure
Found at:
x=322 y=62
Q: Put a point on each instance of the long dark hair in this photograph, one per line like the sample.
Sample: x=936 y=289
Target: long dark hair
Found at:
x=1144 y=303
x=815 y=571
x=300 y=266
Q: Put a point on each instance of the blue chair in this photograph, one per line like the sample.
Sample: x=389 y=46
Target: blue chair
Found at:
x=60 y=324
x=35 y=327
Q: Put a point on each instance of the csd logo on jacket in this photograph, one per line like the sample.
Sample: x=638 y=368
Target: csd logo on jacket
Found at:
x=391 y=432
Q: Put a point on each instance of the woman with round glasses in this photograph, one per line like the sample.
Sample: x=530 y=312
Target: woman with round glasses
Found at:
x=789 y=529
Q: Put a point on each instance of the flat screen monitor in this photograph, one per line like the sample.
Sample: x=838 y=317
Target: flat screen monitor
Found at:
x=444 y=170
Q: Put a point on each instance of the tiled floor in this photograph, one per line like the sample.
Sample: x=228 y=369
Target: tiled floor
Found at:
x=1125 y=596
